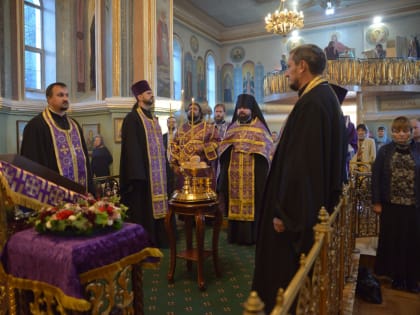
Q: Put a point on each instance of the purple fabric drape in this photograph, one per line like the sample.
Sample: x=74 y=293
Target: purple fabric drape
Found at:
x=59 y=260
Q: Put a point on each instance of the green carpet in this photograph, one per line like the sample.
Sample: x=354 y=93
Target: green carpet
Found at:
x=224 y=295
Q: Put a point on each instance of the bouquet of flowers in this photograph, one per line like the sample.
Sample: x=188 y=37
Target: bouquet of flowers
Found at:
x=82 y=218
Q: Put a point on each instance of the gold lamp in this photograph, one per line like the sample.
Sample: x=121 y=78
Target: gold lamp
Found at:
x=283 y=21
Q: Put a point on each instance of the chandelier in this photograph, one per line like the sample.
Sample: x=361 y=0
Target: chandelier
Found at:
x=283 y=21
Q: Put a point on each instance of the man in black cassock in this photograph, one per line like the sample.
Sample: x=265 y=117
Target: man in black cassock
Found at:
x=307 y=172
x=244 y=156
x=56 y=141
x=143 y=166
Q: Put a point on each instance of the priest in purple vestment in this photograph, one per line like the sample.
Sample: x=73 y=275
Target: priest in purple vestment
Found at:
x=56 y=141
x=244 y=156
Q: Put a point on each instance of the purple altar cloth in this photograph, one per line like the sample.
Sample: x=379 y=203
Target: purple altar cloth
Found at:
x=59 y=260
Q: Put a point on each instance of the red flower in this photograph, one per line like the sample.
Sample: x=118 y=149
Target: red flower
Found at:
x=64 y=214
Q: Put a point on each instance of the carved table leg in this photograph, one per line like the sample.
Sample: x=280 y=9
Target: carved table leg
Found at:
x=172 y=244
x=188 y=238
x=200 y=224
x=215 y=242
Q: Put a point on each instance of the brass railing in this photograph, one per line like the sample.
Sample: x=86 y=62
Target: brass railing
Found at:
x=319 y=282
x=358 y=72
x=366 y=221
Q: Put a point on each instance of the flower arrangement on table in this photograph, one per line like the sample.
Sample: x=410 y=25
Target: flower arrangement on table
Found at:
x=82 y=218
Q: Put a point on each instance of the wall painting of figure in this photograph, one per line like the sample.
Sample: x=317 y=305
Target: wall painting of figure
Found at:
x=163 y=47
x=227 y=82
x=248 y=77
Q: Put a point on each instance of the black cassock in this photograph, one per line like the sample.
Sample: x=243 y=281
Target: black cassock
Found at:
x=37 y=143
x=134 y=178
x=307 y=172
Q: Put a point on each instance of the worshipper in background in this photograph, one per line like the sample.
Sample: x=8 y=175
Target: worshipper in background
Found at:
x=366 y=149
x=380 y=52
x=274 y=136
x=142 y=166
x=307 y=172
x=381 y=138
x=330 y=51
x=244 y=156
x=415 y=124
x=56 y=141
x=219 y=119
x=283 y=63
x=196 y=137
x=101 y=158
x=167 y=138
x=351 y=141
x=339 y=46
x=396 y=198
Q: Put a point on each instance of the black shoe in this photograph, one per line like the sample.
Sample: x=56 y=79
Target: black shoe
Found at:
x=399 y=285
x=413 y=287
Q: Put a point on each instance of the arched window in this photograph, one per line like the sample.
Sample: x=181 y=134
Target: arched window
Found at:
x=211 y=80
x=34 y=52
x=177 y=60
x=40 y=46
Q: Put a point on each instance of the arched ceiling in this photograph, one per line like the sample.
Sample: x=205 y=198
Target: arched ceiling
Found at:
x=233 y=19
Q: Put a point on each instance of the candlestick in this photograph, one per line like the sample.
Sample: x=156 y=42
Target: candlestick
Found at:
x=192 y=112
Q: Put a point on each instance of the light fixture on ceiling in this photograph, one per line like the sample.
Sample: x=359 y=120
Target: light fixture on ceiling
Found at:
x=283 y=21
x=329 y=10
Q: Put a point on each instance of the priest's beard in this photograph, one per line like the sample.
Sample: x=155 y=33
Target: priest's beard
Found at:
x=149 y=102
x=294 y=86
x=197 y=118
x=219 y=120
x=243 y=118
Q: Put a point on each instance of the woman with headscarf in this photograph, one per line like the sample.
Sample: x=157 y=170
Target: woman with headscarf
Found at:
x=101 y=158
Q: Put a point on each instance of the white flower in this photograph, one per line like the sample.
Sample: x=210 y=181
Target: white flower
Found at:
x=110 y=222
x=68 y=206
x=48 y=225
x=72 y=217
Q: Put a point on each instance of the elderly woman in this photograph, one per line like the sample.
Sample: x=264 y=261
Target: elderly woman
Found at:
x=101 y=158
x=396 y=198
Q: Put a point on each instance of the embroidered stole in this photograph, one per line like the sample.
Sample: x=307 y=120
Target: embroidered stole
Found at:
x=157 y=165
x=196 y=140
x=71 y=159
x=247 y=140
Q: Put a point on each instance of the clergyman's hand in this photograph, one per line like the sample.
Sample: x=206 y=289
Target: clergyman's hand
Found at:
x=377 y=208
x=278 y=225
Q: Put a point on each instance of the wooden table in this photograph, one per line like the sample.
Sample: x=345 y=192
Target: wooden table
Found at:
x=198 y=211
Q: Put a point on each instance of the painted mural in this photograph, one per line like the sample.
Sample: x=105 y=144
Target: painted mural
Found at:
x=188 y=75
x=248 y=77
x=227 y=83
x=201 y=80
x=163 y=60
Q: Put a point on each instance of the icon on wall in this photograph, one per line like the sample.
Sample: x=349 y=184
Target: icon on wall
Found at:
x=377 y=34
x=237 y=54
x=194 y=44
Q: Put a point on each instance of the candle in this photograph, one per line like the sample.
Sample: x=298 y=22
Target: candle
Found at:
x=192 y=112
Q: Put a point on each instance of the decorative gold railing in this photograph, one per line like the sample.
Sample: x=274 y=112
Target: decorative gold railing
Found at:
x=359 y=72
x=319 y=282
x=366 y=221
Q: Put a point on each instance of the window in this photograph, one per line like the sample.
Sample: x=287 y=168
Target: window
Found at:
x=34 y=53
x=39 y=46
x=211 y=80
x=177 y=59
